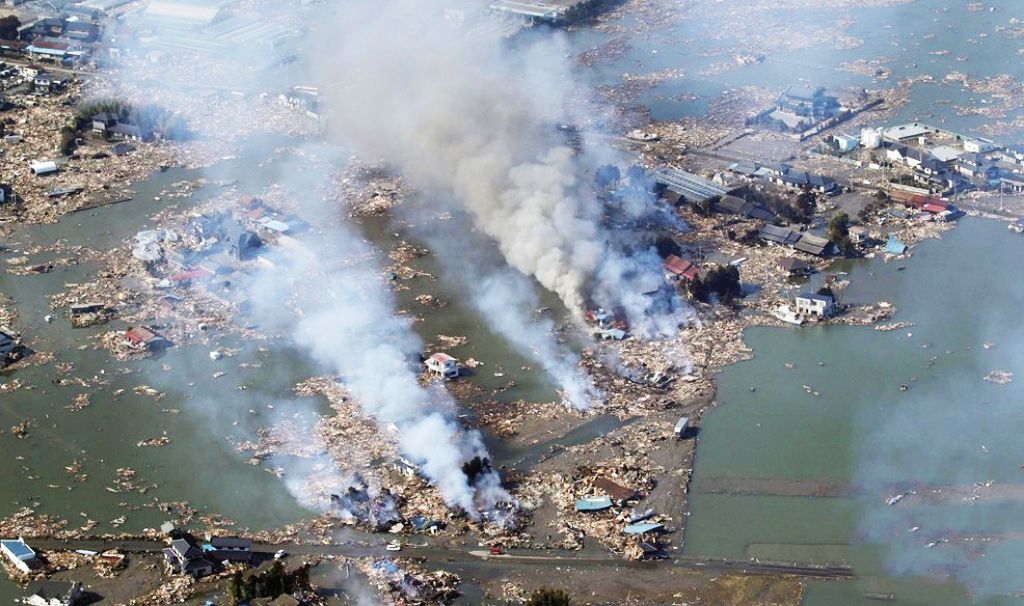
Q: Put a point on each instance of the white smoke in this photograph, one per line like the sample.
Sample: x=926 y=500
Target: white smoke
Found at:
x=457 y=112
x=347 y=320
x=507 y=299
x=329 y=298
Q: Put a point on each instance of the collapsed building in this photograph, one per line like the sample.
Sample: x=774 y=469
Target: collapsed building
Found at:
x=356 y=505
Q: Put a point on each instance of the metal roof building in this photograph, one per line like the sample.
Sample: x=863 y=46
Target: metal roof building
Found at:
x=692 y=187
x=540 y=10
x=781 y=235
x=186 y=11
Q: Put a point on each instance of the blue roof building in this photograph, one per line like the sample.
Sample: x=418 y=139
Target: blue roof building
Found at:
x=643 y=528
x=18 y=553
x=895 y=247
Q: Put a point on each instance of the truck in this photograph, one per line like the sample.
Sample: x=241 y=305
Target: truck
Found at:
x=682 y=427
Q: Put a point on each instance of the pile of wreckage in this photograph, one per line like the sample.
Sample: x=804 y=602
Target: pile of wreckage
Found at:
x=409 y=584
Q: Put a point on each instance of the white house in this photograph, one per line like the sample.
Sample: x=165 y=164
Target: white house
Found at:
x=443 y=365
x=18 y=553
x=814 y=305
x=858 y=234
x=979 y=145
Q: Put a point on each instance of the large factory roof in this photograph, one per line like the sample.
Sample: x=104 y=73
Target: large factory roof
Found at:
x=186 y=11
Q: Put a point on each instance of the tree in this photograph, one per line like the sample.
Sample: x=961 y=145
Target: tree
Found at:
x=475 y=467
x=707 y=206
x=67 y=140
x=9 y=27
x=235 y=587
x=549 y=597
x=249 y=589
x=273 y=580
x=839 y=232
x=667 y=246
x=301 y=576
x=805 y=204
x=723 y=280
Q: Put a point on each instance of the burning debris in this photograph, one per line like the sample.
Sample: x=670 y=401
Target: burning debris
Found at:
x=379 y=511
x=410 y=583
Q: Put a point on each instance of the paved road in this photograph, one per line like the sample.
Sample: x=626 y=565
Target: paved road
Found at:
x=440 y=553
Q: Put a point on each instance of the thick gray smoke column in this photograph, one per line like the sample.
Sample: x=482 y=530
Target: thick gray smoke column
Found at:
x=461 y=113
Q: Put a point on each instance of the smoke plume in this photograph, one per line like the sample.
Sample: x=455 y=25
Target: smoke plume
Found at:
x=461 y=115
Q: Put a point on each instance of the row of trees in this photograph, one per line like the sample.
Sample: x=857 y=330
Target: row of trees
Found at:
x=149 y=119
x=269 y=584
x=722 y=281
x=9 y=27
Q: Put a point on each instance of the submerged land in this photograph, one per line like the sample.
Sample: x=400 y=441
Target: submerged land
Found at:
x=170 y=437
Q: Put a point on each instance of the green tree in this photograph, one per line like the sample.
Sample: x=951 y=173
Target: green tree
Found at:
x=549 y=597
x=805 y=204
x=839 y=232
x=723 y=280
x=249 y=589
x=67 y=140
x=274 y=580
x=235 y=587
x=301 y=577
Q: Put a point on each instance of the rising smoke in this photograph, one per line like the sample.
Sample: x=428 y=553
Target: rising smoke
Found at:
x=348 y=322
x=329 y=297
x=460 y=115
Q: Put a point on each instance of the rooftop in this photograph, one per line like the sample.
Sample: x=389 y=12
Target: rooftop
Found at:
x=813 y=296
x=550 y=10
x=19 y=549
x=906 y=131
x=692 y=187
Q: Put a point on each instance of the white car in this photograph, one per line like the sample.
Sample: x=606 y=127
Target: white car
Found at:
x=393 y=546
x=280 y=553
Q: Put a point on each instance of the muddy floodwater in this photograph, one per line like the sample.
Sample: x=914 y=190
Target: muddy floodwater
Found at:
x=200 y=414
x=803 y=467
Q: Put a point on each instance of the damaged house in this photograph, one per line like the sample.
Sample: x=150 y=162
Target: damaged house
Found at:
x=443 y=365
x=229 y=549
x=677 y=268
x=184 y=557
x=143 y=338
x=53 y=593
x=357 y=506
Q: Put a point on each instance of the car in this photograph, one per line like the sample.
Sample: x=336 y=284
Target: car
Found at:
x=393 y=546
x=280 y=553
x=495 y=550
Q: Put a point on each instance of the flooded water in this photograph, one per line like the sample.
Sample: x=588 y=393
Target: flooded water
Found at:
x=199 y=414
x=783 y=474
x=937 y=37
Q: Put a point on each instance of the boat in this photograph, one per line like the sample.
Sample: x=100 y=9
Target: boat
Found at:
x=1017 y=228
